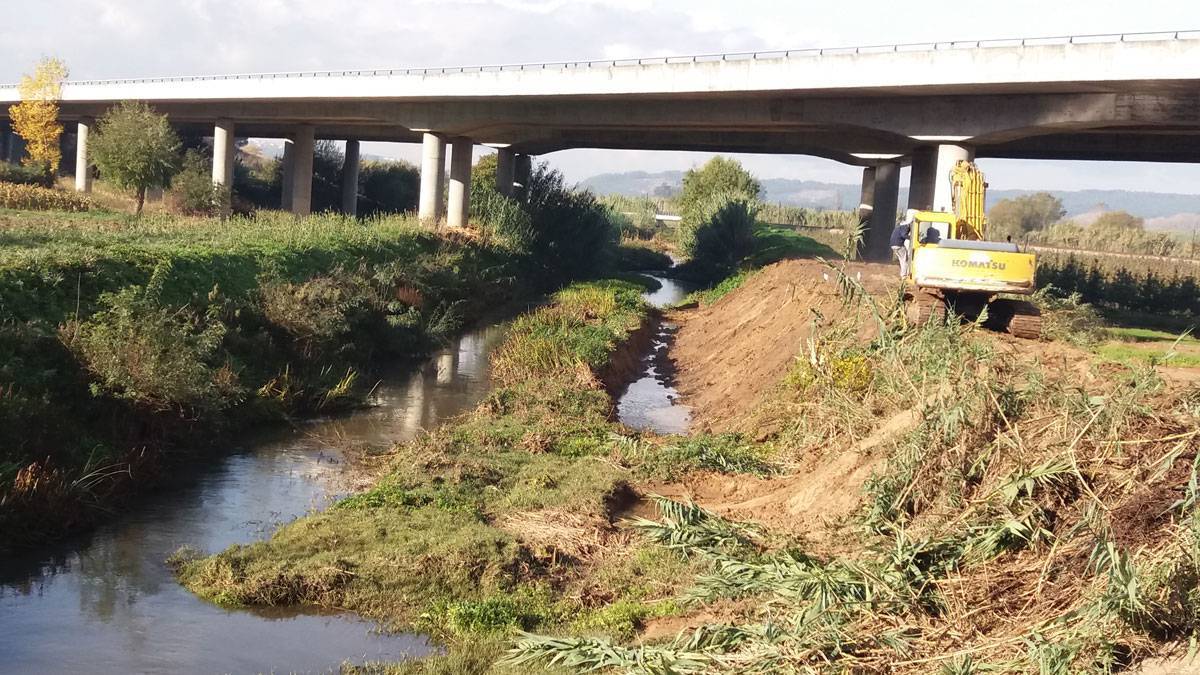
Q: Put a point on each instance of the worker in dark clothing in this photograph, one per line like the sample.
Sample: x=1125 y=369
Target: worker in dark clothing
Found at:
x=901 y=237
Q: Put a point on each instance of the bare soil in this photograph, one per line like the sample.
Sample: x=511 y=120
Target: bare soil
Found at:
x=732 y=352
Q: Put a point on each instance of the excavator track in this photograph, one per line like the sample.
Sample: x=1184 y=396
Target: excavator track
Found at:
x=1026 y=321
x=928 y=307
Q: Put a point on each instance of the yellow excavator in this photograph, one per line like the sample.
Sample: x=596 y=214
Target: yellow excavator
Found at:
x=956 y=269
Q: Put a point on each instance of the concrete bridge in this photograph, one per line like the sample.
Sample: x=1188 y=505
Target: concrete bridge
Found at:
x=1102 y=97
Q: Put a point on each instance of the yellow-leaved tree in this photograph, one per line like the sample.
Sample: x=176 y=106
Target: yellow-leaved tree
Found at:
x=35 y=118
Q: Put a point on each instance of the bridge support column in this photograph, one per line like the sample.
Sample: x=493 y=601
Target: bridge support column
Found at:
x=350 y=179
x=883 y=213
x=433 y=172
x=505 y=165
x=522 y=170
x=459 y=209
x=302 y=170
x=83 y=168
x=922 y=179
x=287 y=174
x=866 y=202
x=222 y=169
x=947 y=156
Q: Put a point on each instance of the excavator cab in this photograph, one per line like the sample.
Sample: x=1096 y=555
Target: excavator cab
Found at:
x=954 y=267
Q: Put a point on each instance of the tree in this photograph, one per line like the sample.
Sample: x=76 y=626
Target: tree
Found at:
x=35 y=118
x=1022 y=215
x=721 y=175
x=136 y=149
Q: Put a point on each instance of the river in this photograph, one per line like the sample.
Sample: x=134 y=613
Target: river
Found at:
x=651 y=403
x=108 y=603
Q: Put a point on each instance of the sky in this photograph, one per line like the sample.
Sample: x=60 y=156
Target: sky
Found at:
x=134 y=38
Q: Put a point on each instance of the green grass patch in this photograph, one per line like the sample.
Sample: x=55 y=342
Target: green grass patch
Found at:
x=773 y=243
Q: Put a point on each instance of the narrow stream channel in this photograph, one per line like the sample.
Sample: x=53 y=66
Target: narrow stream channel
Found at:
x=108 y=603
x=651 y=402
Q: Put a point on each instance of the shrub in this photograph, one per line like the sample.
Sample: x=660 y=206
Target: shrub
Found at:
x=36 y=198
x=156 y=356
x=573 y=234
x=25 y=175
x=387 y=187
x=717 y=234
x=193 y=188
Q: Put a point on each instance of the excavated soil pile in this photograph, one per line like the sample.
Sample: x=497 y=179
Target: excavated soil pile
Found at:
x=731 y=353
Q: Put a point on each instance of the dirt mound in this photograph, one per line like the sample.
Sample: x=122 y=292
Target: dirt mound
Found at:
x=805 y=502
x=730 y=353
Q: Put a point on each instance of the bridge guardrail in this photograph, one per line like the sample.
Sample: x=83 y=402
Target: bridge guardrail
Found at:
x=777 y=54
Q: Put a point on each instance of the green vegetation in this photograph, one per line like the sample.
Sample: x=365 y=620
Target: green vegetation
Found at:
x=500 y=523
x=136 y=149
x=1122 y=287
x=1019 y=216
x=159 y=332
x=1135 y=346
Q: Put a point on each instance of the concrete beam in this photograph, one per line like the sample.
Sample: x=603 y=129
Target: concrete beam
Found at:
x=947 y=157
x=505 y=160
x=83 y=167
x=522 y=171
x=222 y=169
x=883 y=216
x=350 y=179
x=459 y=207
x=287 y=173
x=302 y=171
x=433 y=169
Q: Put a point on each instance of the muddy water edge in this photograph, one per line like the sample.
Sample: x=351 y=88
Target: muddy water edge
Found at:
x=109 y=603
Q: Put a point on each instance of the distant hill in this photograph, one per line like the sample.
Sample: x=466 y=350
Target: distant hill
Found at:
x=1162 y=211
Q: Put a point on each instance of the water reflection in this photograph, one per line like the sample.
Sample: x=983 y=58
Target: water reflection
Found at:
x=651 y=401
x=107 y=603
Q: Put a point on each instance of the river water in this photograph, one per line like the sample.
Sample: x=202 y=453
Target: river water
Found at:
x=108 y=603
x=651 y=402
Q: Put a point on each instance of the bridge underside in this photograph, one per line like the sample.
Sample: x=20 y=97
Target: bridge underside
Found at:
x=880 y=132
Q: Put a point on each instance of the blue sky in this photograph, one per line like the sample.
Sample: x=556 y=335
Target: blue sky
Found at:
x=123 y=38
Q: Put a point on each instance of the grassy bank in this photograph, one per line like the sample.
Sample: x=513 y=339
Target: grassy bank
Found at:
x=126 y=340
x=502 y=522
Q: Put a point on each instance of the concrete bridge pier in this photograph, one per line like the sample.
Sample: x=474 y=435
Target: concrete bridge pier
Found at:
x=866 y=202
x=433 y=172
x=222 y=170
x=83 y=168
x=947 y=156
x=924 y=174
x=286 y=174
x=885 y=193
x=302 y=170
x=522 y=170
x=459 y=208
x=350 y=179
x=505 y=166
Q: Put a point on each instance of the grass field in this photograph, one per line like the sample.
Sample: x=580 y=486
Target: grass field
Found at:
x=1146 y=345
